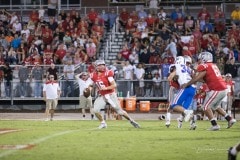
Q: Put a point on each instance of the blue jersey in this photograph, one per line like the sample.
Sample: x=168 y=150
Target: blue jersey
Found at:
x=186 y=95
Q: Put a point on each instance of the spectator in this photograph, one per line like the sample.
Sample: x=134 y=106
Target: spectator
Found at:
x=134 y=17
x=189 y=24
x=18 y=26
x=26 y=31
x=123 y=17
x=235 y=15
x=144 y=56
x=105 y=17
x=52 y=8
x=23 y=75
x=125 y=52
x=153 y=6
x=112 y=16
x=162 y=15
x=48 y=55
x=134 y=57
x=165 y=72
x=231 y=67
x=91 y=50
x=8 y=77
x=148 y=84
x=4 y=42
x=21 y=53
x=139 y=73
x=92 y=15
x=219 y=16
x=34 y=16
x=11 y=56
x=128 y=76
x=68 y=71
x=16 y=42
x=52 y=70
x=142 y=14
x=68 y=57
x=130 y=26
x=157 y=87
x=41 y=12
x=37 y=75
x=59 y=54
x=176 y=14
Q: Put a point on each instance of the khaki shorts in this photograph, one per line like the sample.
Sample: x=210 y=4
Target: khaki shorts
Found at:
x=51 y=103
x=85 y=102
x=213 y=99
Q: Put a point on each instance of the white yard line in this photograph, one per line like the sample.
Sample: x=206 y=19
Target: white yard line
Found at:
x=40 y=140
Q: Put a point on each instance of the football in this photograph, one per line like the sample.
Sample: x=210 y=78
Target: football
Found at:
x=86 y=92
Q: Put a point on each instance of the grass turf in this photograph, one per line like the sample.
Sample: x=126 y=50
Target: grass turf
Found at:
x=81 y=140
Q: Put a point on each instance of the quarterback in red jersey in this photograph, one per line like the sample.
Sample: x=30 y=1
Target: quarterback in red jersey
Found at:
x=106 y=85
x=209 y=72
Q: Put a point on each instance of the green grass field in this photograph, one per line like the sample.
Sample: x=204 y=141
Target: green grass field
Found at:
x=81 y=140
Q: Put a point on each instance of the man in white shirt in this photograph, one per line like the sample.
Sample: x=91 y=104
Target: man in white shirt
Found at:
x=51 y=93
x=128 y=75
x=84 y=81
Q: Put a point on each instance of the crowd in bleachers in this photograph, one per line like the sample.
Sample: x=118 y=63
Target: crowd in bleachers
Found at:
x=156 y=36
x=152 y=37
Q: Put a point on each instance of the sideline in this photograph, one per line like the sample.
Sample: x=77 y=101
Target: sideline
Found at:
x=40 y=140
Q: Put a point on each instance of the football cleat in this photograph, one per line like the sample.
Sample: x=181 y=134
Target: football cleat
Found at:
x=214 y=128
x=102 y=125
x=230 y=155
x=193 y=126
x=167 y=124
x=135 y=124
x=231 y=123
x=179 y=123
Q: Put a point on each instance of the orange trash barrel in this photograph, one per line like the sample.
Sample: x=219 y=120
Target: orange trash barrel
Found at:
x=145 y=106
x=121 y=101
x=130 y=104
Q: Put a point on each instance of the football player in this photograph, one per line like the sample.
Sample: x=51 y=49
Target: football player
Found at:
x=106 y=85
x=209 y=72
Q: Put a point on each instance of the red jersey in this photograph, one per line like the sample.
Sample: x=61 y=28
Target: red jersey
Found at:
x=213 y=77
x=230 y=84
x=101 y=80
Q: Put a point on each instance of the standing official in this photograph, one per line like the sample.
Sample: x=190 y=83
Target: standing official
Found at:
x=51 y=93
x=84 y=102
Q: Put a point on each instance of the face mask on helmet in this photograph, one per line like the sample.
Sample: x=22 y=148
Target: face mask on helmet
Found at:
x=180 y=60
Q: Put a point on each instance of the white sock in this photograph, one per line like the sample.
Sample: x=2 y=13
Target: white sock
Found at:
x=234 y=151
x=168 y=117
x=103 y=121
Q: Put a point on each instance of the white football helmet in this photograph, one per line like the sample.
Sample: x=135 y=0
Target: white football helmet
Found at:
x=99 y=62
x=205 y=57
x=180 y=60
x=188 y=59
x=100 y=65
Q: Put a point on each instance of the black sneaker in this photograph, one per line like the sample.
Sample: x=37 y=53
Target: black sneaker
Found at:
x=230 y=155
